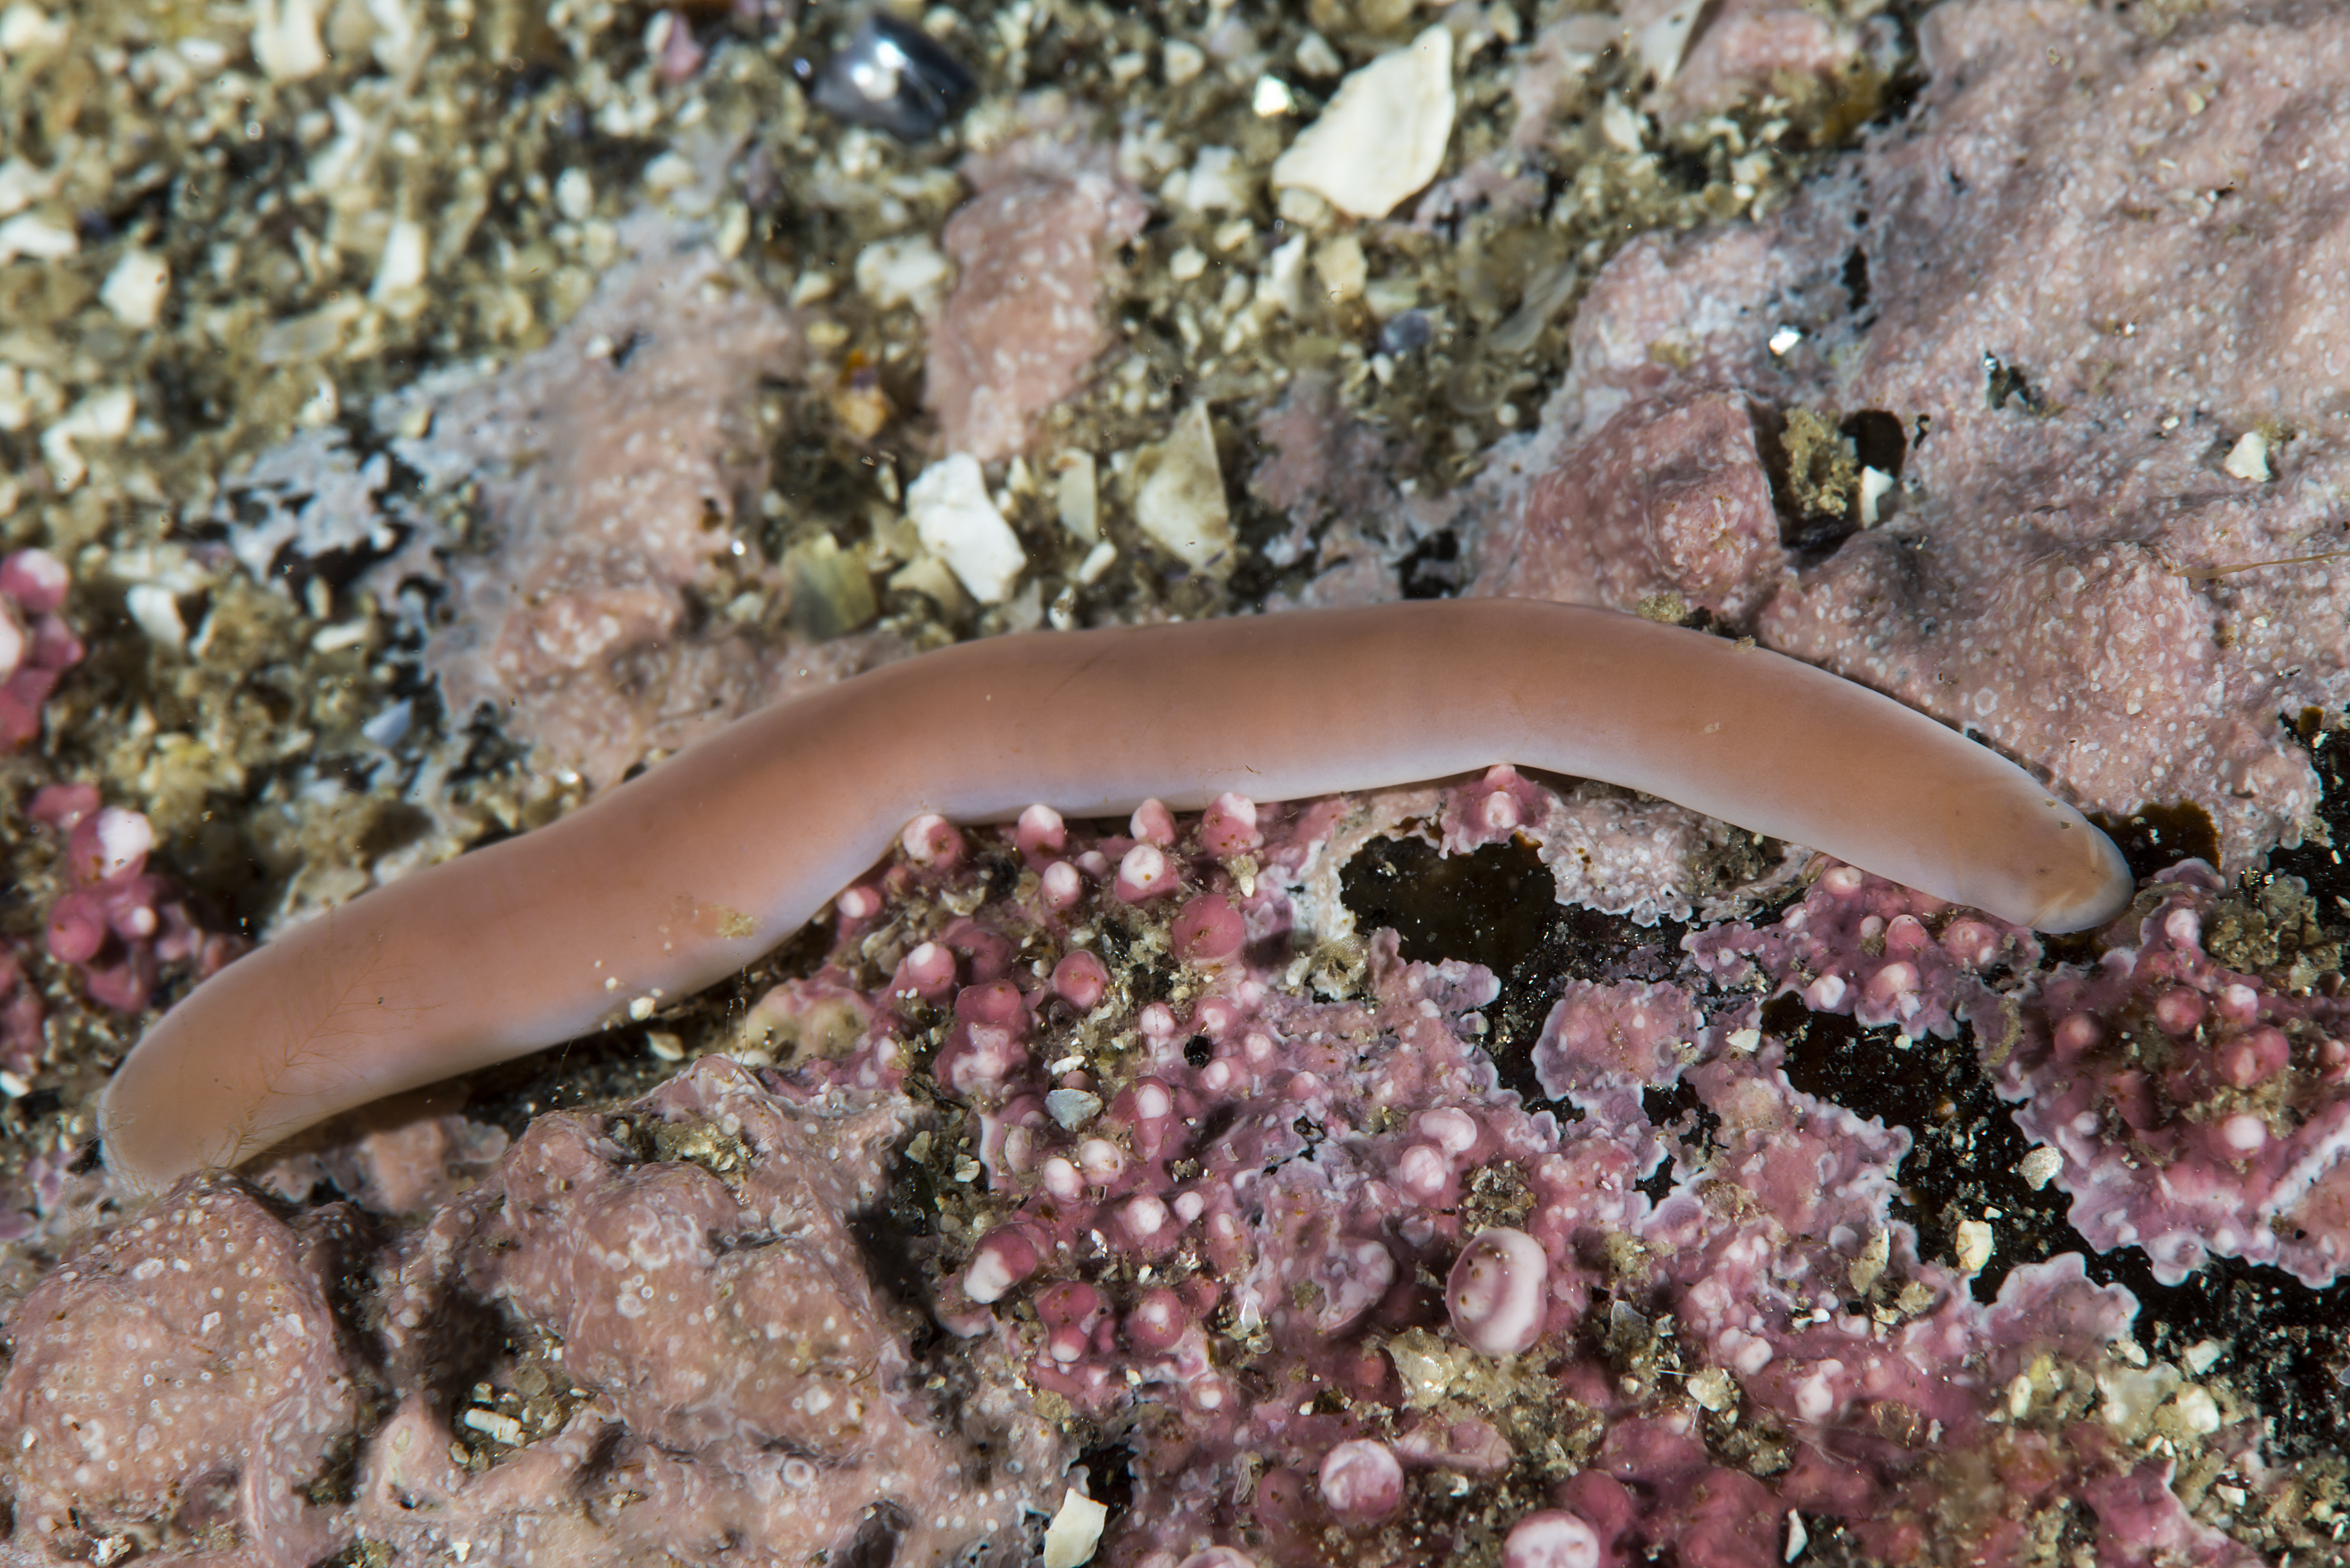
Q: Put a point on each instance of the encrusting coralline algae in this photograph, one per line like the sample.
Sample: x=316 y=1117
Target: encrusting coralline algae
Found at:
x=1115 y=1156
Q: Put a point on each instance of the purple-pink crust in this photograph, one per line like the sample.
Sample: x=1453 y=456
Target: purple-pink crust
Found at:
x=1269 y=1217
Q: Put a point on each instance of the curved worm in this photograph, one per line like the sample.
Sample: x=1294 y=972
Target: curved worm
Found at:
x=684 y=874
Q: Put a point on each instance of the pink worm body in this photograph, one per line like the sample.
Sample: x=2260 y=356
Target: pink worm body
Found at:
x=684 y=874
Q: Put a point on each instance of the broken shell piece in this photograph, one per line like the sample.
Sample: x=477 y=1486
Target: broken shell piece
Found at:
x=1181 y=503
x=2248 y=458
x=1383 y=136
x=1074 y=1532
x=958 y=522
x=1971 y=1243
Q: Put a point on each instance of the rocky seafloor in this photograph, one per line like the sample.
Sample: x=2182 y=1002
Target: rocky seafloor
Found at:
x=415 y=418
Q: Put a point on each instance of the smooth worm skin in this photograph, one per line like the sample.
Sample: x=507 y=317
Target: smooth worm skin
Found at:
x=684 y=874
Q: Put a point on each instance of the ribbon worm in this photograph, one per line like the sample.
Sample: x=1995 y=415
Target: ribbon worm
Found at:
x=683 y=876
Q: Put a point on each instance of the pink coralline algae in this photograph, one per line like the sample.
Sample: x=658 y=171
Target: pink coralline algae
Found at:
x=2197 y=1109
x=1605 y=848
x=1314 y=1260
x=2051 y=309
x=1255 y=1218
x=2193 y=1109
x=36 y=645
x=118 y=923
x=649 y=1331
x=1023 y=324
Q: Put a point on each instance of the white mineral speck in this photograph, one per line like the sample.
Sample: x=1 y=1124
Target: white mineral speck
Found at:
x=100 y=417
x=575 y=194
x=1971 y=1243
x=1876 y=484
x=1342 y=267
x=949 y=508
x=401 y=267
x=1664 y=41
x=134 y=291
x=1182 y=61
x=891 y=273
x=1315 y=58
x=2199 y=1412
x=25 y=26
x=1217 y=181
x=157 y=611
x=30 y=234
x=1623 y=125
x=2038 y=1168
x=21 y=185
x=1383 y=135
x=1072 y=1108
x=1714 y=1389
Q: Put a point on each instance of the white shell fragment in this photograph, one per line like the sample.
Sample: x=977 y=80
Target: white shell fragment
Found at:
x=1664 y=42
x=100 y=417
x=1383 y=136
x=891 y=273
x=2248 y=458
x=157 y=612
x=1181 y=501
x=949 y=508
x=1075 y=1530
x=403 y=265
x=1076 y=496
x=285 y=39
x=1876 y=484
x=29 y=235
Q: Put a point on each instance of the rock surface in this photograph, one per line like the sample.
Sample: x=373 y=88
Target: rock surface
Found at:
x=2051 y=303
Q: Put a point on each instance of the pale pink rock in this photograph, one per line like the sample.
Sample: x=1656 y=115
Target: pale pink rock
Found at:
x=145 y=1390
x=1332 y=476
x=620 y=466
x=2160 y=258
x=1602 y=1040
x=1023 y=326
x=1669 y=496
x=1744 y=48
